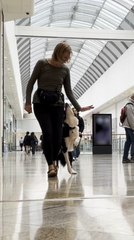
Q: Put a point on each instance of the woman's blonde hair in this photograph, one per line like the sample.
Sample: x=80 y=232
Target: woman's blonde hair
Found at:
x=60 y=49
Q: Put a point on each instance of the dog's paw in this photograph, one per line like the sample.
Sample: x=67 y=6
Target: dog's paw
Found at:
x=72 y=171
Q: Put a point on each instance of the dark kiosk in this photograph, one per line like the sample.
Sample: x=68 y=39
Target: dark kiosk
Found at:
x=102 y=133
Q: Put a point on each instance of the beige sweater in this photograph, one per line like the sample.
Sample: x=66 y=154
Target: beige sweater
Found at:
x=50 y=78
x=129 y=121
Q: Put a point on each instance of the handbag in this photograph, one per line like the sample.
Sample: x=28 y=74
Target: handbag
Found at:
x=49 y=97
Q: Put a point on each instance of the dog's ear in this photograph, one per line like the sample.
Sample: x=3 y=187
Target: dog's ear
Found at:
x=66 y=105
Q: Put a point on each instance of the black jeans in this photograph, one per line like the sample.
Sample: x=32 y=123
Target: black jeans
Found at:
x=129 y=143
x=50 y=119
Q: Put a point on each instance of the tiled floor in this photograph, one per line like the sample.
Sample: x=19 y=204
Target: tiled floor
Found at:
x=95 y=204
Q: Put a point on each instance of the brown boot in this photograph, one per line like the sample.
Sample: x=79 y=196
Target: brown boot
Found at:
x=52 y=172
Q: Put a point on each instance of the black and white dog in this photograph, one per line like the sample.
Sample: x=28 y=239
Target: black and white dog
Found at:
x=70 y=139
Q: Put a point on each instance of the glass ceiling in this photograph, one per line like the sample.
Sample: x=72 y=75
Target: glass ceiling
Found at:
x=91 y=58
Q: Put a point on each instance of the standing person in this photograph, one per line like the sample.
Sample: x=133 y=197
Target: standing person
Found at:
x=21 y=143
x=81 y=126
x=48 y=101
x=128 y=124
x=34 y=142
x=27 y=143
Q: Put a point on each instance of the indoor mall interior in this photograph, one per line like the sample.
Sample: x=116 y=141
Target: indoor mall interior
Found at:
x=95 y=199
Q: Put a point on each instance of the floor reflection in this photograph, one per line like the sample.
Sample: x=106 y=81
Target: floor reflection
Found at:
x=97 y=203
x=60 y=216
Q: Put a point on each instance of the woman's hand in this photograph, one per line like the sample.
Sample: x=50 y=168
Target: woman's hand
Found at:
x=83 y=109
x=28 y=108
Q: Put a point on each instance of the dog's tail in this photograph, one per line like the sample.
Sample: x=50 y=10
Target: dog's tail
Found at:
x=61 y=158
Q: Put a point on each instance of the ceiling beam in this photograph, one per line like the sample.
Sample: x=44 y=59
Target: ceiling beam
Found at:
x=73 y=33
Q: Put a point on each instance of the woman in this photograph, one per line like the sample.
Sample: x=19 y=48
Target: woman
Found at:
x=51 y=74
x=34 y=142
x=27 y=143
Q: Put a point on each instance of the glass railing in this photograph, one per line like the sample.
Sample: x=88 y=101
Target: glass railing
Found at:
x=118 y=141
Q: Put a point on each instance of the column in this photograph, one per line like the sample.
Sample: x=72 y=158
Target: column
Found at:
x=1 y=82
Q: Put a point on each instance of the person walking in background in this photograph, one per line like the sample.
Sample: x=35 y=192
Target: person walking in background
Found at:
x=81 y=126
x=34 y=142
x=128 y=125
x=21 y=143
x=48 y=101
x=27 y=143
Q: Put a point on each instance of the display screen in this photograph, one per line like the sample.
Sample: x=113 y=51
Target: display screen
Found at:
x=102 y=129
